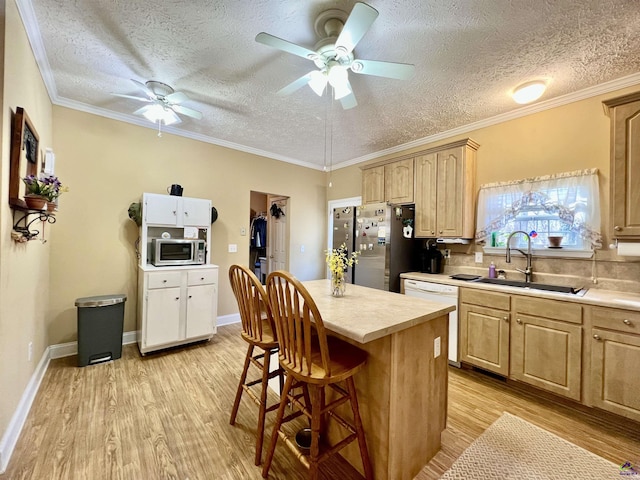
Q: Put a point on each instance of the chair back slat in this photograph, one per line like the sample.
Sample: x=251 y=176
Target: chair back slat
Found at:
x=252 y=301
x=298 y=324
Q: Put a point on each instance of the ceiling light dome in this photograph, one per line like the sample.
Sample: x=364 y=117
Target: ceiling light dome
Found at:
x=529 y=92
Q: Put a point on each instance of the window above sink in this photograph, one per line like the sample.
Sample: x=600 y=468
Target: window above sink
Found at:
x=563 y=205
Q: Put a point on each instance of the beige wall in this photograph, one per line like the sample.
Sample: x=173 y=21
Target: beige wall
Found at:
x=24 y=268
x=561 y=139
x=109 y=164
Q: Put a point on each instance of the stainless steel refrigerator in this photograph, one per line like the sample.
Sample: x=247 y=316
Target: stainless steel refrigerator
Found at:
x=385 y=252
x=344 y=232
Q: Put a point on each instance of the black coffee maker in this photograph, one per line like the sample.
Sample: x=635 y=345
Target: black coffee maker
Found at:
x=432 y=258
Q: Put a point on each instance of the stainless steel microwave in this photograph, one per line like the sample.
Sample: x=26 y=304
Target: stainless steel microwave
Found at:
x=174 y=251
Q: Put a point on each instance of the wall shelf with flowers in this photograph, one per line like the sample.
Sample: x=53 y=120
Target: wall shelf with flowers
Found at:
x=41 y=196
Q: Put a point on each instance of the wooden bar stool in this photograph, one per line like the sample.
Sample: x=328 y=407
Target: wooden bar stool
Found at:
x=313 y=361
x=258 y=331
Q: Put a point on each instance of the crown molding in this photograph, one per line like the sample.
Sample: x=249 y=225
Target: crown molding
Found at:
x=601 y=89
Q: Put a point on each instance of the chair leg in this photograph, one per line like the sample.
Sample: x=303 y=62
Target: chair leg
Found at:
x=263 y=405
x=274 y=436
x=316 y=409
x=362 y=442
x=243 y=378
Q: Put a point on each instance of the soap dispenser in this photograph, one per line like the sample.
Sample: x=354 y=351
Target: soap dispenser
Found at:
x=492 y=270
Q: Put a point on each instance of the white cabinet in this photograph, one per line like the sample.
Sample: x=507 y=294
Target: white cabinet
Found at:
x=176 y=306
x=174 y=211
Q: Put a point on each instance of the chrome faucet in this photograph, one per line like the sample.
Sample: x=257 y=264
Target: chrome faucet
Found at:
x=527 y=271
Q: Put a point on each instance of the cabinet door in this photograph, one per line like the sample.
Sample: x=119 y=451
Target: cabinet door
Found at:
x=625 y=170
x=373 y=185
x=161 y=210
x=196 y=212
x=398 y=179
x=162 y=322
x=426 y=171
x=450 y=196
x=547 y=354
x=615 y=358
x=201 y=305
x=484 y=338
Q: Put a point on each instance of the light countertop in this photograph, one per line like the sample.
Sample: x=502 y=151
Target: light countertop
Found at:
x=593 y=296
x=152 y=268
x=365 y=314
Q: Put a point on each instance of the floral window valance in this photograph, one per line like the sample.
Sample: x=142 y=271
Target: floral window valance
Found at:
x=573 y=197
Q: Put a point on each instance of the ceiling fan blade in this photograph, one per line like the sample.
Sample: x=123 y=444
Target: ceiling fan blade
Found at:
x=349 y=101
x=144 y=88
x=285 y=46
x=360 y=20
x=140 y=99
x=295 y=85
x=189 y=112
x=176 y=97
x=400 y=71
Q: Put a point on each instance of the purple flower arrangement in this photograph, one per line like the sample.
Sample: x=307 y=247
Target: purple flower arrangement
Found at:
x=47 y=186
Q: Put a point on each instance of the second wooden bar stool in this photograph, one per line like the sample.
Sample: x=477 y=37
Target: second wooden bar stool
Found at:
x=313 y=361
x=258 y=331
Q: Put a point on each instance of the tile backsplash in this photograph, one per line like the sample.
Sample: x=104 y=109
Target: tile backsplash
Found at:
x=606 y=270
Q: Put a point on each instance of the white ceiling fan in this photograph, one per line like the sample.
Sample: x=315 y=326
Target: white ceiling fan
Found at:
x=164 y=103
x=334 y=56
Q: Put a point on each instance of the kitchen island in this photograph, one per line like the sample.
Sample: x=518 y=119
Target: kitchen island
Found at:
x=402 y=390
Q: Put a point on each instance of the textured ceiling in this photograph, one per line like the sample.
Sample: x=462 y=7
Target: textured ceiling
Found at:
x=468 y=55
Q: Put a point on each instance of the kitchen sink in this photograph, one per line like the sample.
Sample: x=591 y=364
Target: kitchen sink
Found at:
x=534 y=285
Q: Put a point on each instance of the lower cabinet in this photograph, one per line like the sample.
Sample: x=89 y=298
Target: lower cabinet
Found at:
x=615 y=358
x=484 y=329
x=176 y=307
x=546 y=345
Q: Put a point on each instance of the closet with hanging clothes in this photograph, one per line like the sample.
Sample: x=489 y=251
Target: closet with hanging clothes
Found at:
x=258 y=215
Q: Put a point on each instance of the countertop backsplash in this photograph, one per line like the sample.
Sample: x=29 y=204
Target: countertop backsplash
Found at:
x=612 y=272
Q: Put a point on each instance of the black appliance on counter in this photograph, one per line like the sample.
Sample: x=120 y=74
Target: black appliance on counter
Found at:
x=431 y=258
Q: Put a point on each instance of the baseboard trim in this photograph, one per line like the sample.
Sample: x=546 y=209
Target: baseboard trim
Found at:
x=228 y=319
x=12 y=433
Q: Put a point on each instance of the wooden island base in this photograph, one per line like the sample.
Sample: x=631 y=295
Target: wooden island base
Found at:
x=402 y=395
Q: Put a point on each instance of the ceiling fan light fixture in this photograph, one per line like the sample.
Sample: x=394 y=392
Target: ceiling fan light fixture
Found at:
x=341 y=91
x=338 y=75
x=529 y=92
x=318 y=82
x=157 y=113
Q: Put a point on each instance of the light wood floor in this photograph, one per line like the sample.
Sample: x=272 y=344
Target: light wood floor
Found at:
x=166 y=416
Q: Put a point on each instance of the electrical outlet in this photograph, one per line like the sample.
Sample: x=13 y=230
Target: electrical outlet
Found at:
x=478 y=257
x=243 y=231
x=301 y=248
x=30 y=352
x=447 y=253
x=436 y=347
x=233 y=248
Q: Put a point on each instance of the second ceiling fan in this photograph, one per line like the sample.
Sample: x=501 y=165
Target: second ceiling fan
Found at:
x=333 y=55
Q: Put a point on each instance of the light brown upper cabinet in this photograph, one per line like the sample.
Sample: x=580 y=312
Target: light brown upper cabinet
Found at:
x=445 y=196
x=625 y=165
x=391 y=182
x=398 y=182
x=373 y=185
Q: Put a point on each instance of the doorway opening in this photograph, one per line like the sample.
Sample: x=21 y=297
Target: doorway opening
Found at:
x=269 y=230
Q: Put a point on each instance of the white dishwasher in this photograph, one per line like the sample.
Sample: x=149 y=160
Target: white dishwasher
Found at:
x=445 y=294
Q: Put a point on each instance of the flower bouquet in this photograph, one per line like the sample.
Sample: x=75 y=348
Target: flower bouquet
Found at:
x=44 y=189
x=338 y=261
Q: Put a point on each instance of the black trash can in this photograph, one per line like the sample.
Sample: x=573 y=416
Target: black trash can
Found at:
x=100 y=325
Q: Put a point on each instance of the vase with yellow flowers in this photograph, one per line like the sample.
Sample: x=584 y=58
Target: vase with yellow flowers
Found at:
x=338 y=261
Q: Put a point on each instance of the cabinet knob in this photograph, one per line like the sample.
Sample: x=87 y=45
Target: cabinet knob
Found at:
x=506 y=319
x=186 y=214
x=201 y=278
x=432 y=232
x=174 y=212
x=190 y=296
x=617 y=228
x=177 y=298
x=597 y=337
x=441 y=231
x=164 y=281
x=519 y=321
x=626 y=321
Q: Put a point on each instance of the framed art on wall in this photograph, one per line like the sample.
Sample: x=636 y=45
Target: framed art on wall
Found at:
x=24 y=155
